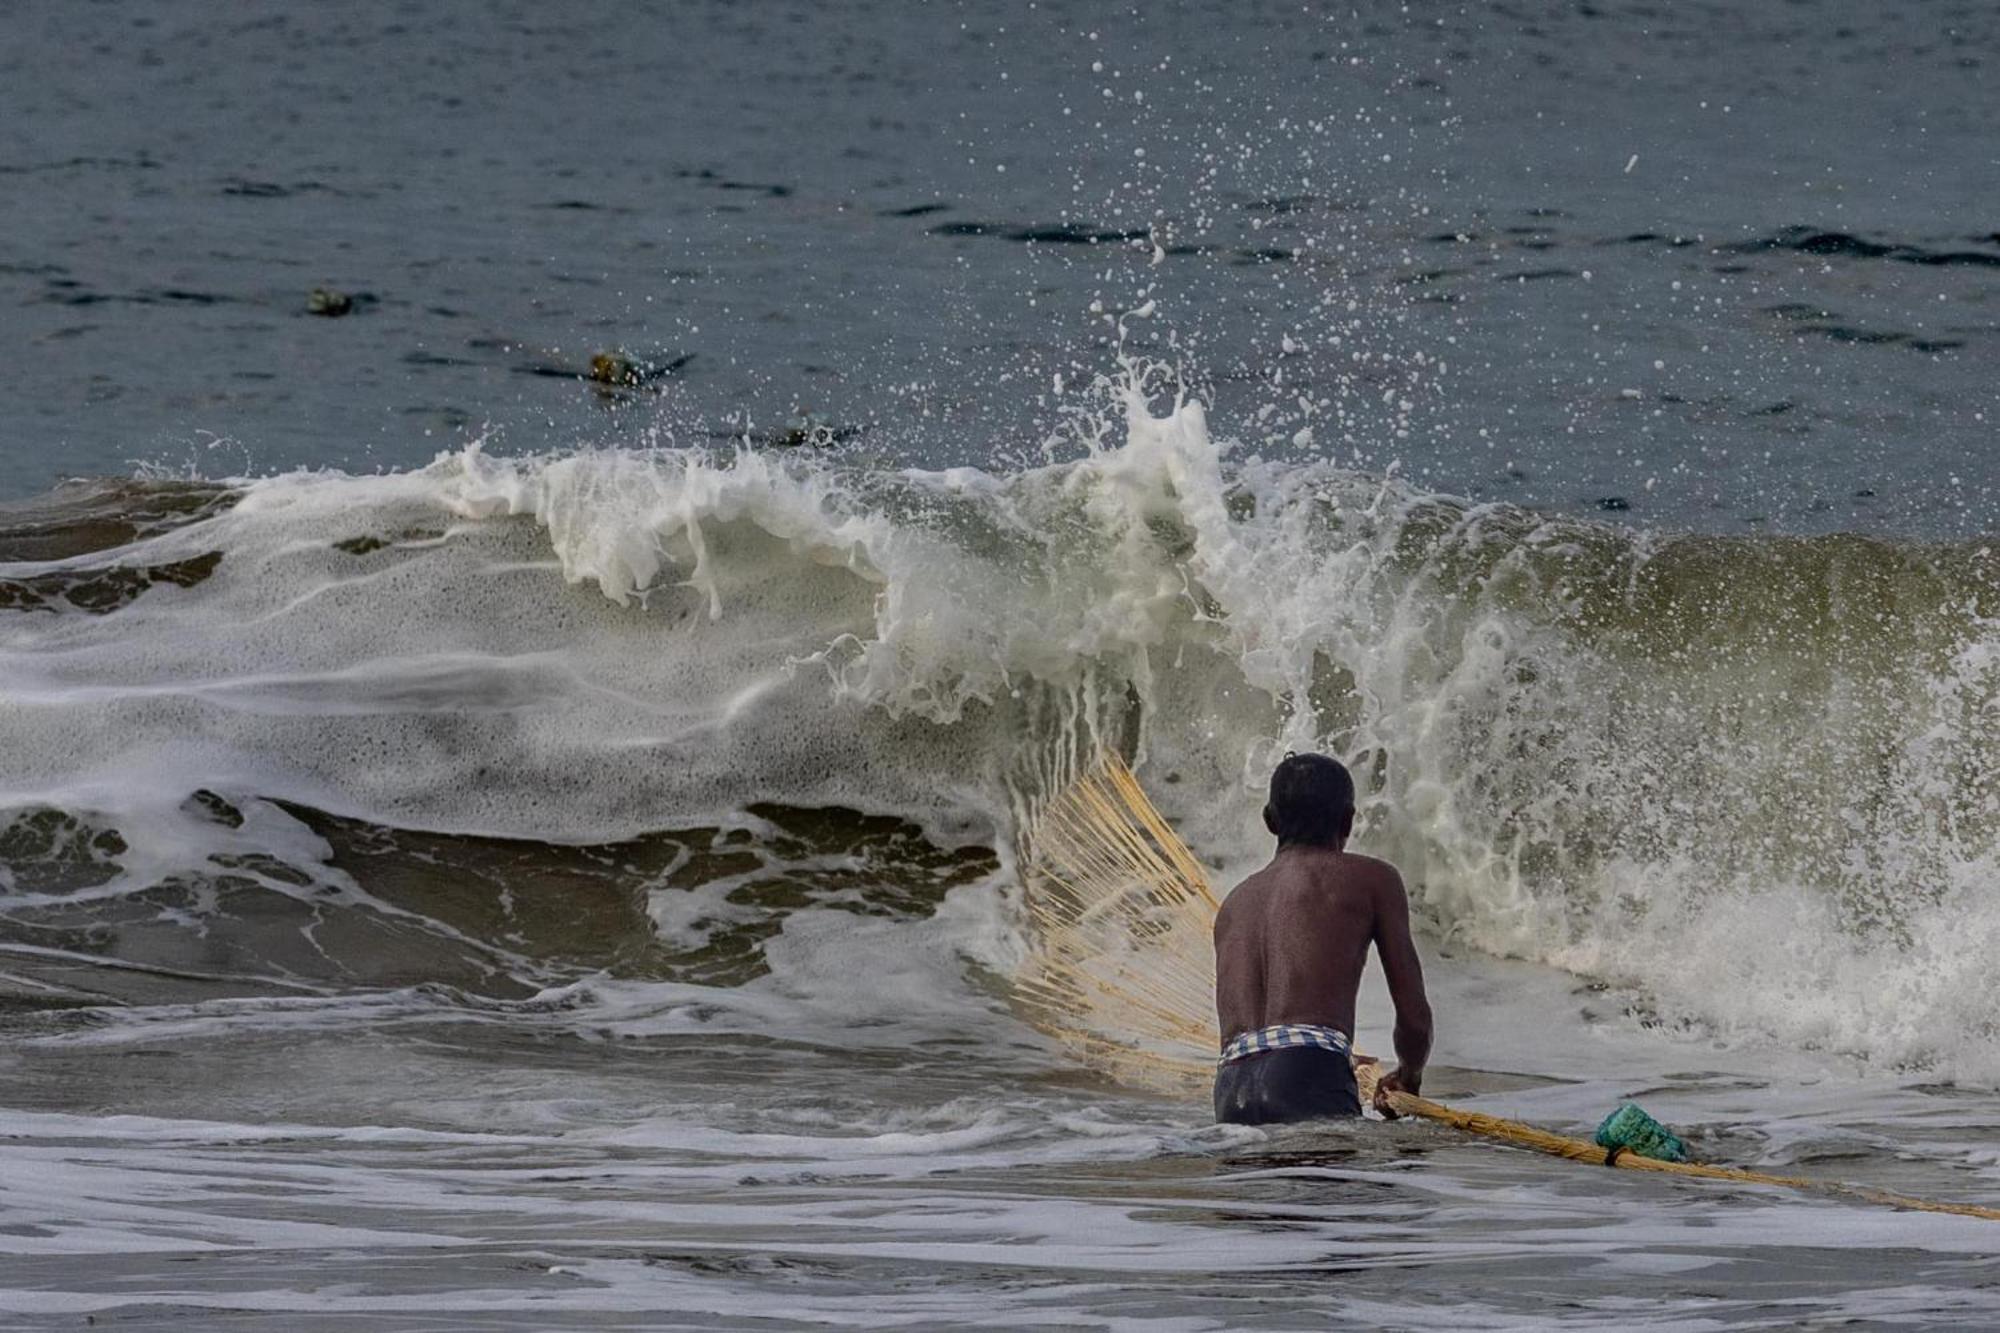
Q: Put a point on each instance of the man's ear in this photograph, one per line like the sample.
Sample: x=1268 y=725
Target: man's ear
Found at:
x=1347 y=823
x=1271 y=820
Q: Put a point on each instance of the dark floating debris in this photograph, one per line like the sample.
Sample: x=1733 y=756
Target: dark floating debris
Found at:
x=607 y=370
x=1617 y=504
x=617 y=369
x=328 y=303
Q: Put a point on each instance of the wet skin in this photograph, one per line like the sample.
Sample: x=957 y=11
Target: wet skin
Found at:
x=1292 y=941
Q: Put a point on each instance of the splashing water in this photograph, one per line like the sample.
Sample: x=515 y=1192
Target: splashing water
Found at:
x=1752 y=778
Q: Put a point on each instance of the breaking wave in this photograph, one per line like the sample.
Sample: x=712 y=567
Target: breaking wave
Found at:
x=625 y=711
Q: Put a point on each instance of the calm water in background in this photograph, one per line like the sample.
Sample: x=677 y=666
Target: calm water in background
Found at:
x=1732 y=264
x=570 y=884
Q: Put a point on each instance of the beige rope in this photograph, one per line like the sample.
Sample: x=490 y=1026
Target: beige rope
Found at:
x=1123 y=972
x=1367 y=1072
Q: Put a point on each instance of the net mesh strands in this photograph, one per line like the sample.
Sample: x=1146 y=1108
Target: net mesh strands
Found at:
x=1122 y=972
x=1123 y=966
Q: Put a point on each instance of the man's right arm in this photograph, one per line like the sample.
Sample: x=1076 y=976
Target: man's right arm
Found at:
x=1405 y=975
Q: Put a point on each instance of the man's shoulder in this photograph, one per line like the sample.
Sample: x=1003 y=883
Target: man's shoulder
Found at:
x=1248 y=888
x=1371 y=868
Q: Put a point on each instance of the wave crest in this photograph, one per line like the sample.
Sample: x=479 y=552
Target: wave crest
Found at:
x=1754 y=776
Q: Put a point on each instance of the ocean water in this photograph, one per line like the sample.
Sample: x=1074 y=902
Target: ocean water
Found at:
x=483 y=846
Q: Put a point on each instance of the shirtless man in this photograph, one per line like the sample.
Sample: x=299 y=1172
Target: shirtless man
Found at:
x=1290 y=946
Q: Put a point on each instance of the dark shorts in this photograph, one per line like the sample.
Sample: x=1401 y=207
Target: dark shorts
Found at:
x=1299 y=1083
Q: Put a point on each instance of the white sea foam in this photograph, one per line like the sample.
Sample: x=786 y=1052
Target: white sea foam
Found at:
x=1752 y=779
x=658 y=1216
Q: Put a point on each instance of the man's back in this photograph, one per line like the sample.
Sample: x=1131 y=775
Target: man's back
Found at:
x=1292 y=941
x=1290 y=946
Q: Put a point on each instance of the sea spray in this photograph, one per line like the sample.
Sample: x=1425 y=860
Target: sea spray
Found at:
x=1749 y=779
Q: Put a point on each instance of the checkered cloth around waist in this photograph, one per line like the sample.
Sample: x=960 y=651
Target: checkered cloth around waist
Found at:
x=1280 y=1036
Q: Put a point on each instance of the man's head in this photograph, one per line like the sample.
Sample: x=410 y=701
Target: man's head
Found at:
x=1312 y=801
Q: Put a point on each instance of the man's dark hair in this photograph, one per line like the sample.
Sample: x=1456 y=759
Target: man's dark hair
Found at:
x=1312 y=801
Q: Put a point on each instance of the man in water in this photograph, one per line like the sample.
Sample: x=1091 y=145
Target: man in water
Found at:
x=1290 y=946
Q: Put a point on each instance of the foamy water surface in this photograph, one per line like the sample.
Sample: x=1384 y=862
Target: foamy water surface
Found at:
x=486 y=847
